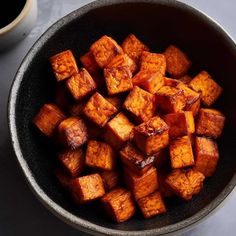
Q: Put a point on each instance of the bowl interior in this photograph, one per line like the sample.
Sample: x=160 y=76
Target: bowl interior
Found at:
x=158 y=24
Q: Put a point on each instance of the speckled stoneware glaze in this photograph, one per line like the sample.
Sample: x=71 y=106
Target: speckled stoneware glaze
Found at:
x=158 y=24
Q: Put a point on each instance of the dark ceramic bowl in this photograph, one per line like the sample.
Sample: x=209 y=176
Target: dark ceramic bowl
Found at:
x=158 y=24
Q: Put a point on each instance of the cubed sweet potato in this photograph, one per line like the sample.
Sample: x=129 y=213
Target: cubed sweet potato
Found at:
x=152 y=136
x=64 y=179
x=81 y=84
x=177 y=62
x=209 y=89
x=210 y=123
x=99 y=110
x=148 y=80
x=73 y=161
x=89 y=63
x=116 y=101
x=72 y=132
x=118 y=204
x=104 y=50
x=87 y=188
x=140 y=104
x=181 y=153
x=152 y=205
x=206 y=155
x=118 y=130
x=171 y=82
x=133 y=47
x=170 y=99
x=63 y=65
x=143 y=185
x=153 y=62
x=136 y=160
x=100 y=155
x=48 y=118
x=164 y=188
x=185 y=183
x=118 y=79
x=180 y=123
x=110 y=179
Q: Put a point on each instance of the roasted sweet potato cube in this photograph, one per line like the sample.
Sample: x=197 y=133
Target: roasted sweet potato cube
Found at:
x=185 y=79
x=210 y=123
x=118 y=79
x=48 y=118
x=209 y=89
x=206 y=155
x=100 y=155
x=180 y=123
x=89 y=63
x=177 y=62
x=171 y=82
x=140 y=104
x=153 y=62
x=81 y=84
x=118 y=130
x=181 y=153
x=72 y=132
x=133 y=47
x=99 y=110
x=118 y=204
x=104 y=50
x=151 y=136
x=143 y=185
x=87 y=188
x=148 y=80
x=123 y=60
x=185 y=183
x=164 y=188
x=152 y=205
x=116 y=101
x=135 y=160
x=110 y=179
x=63 y=65
x=170 y=99
x=64 y=179
x=73 y=161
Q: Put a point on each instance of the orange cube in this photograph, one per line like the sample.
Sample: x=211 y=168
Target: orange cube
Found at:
x=104 y=50
x=180 y=123
x=164 y=188
x=99 y=110
x=72 y=132
x=135 y=160
x=100 y=155
x=133 y=47
x=206 y=155
x=81 y=84
x=118 y=204
x=89 y=63
x=210 y=123
x=87 y=188
x=170 y=99
x=171 y=82
x=185 y=183
x=64 y=179
x=209 y=89
x=110 y=179
x=140 y=104
x=185 y=79
x=153 y=62
x=116 y=101
x=118 y=130
x=73 y=161
x=177 y=62
x=63 y=65
x=152 y=136
x=123 y=60
x=143 y=185
x=148 y=80
x=48 y=118
x=181 y=153
x=152 y=205
x=118 y=79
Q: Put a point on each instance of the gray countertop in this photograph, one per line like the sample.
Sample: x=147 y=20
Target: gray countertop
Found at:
x=20 y=212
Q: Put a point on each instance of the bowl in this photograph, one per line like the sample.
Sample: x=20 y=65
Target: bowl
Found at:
x=158 y=24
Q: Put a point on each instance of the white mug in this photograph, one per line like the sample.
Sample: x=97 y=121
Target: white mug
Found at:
x=20 y=26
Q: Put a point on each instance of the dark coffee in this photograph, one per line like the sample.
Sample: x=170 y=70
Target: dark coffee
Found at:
x=10 y=10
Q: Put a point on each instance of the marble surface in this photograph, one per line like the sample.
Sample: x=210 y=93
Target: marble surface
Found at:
x=20 y=212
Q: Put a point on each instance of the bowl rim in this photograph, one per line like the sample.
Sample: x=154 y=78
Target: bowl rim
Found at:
x=55 y=208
